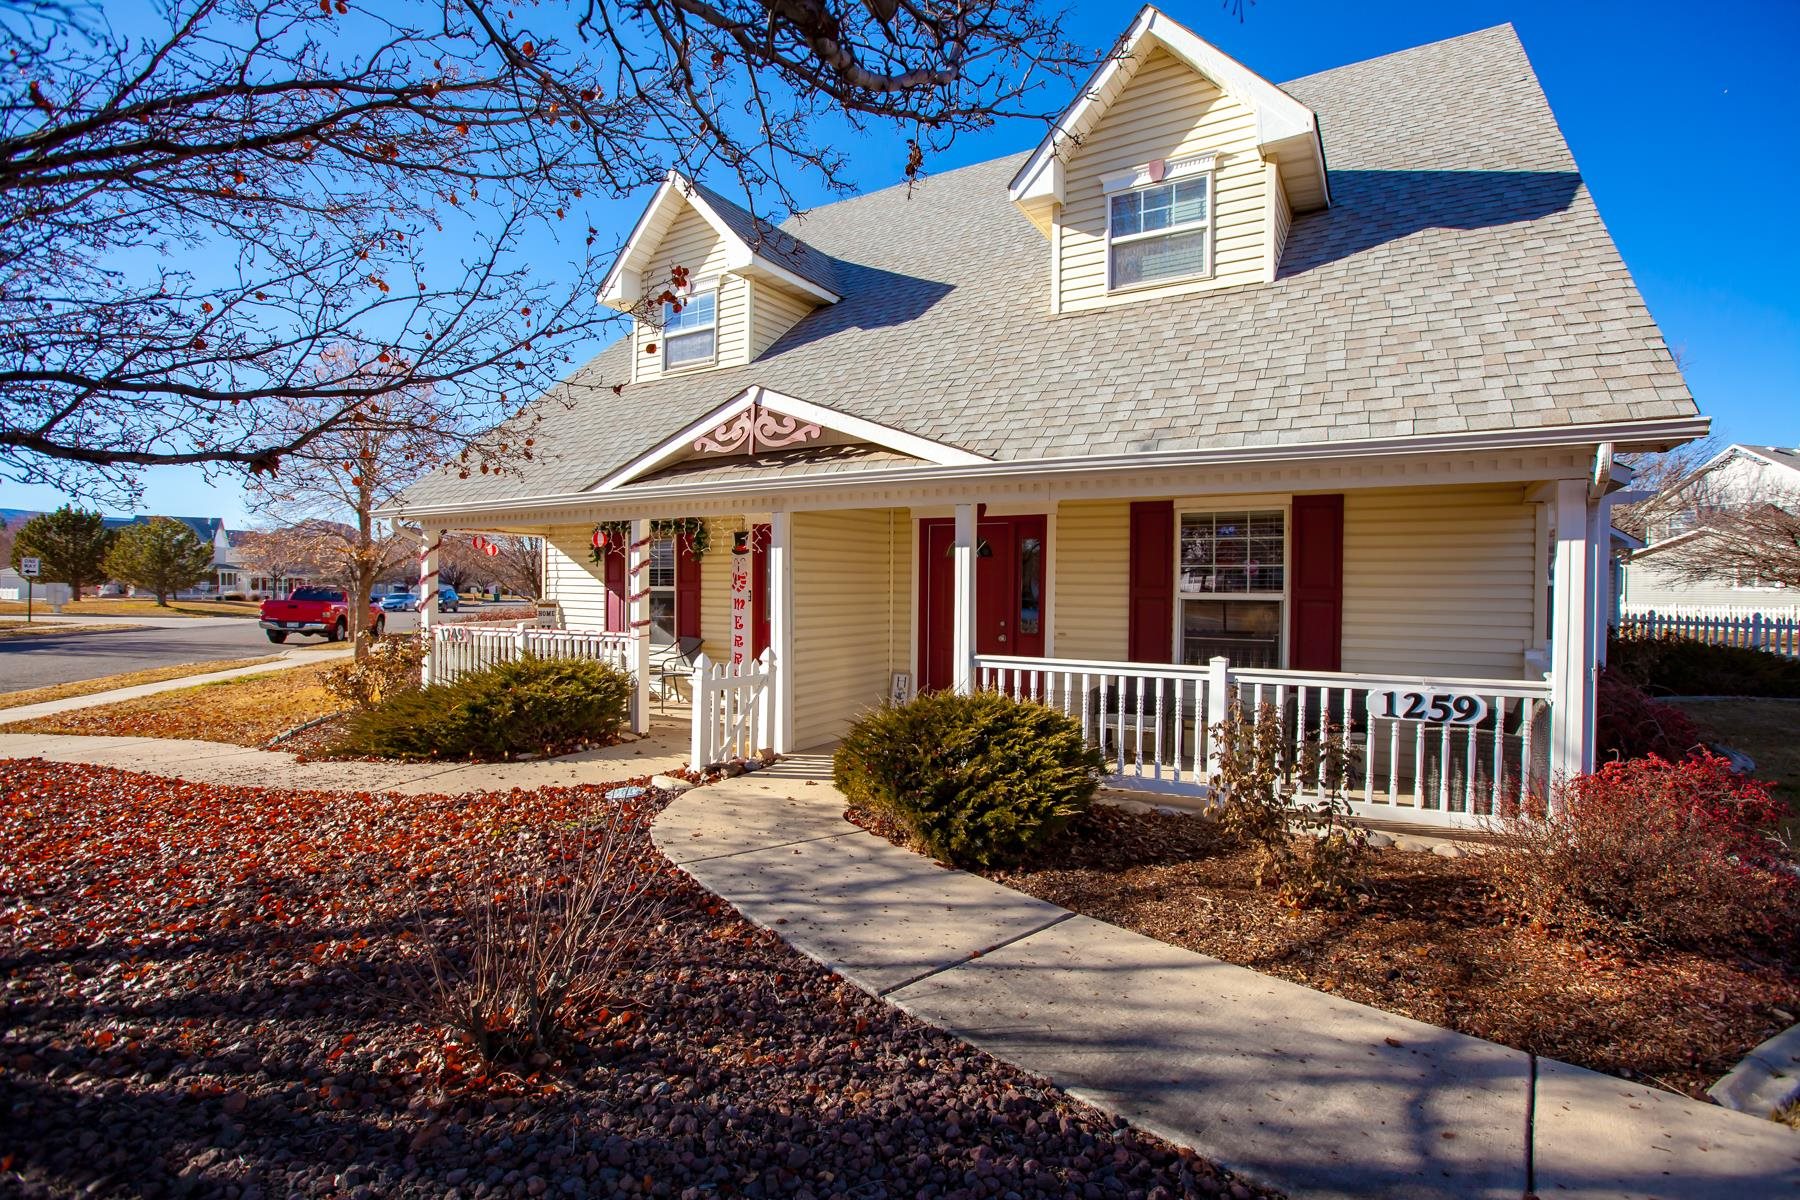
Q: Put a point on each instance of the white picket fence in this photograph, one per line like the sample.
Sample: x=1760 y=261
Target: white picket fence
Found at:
x=733 y=709
x=1438 y=751
x=1778 y=633
x=458 y=649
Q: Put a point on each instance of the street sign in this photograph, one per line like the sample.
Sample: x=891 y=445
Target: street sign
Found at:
x=28 y=567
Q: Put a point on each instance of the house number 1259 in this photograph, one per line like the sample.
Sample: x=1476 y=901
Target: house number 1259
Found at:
x=1443 y=707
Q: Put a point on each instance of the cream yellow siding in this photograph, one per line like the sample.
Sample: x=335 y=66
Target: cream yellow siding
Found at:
x=1439 y=581
x=1280 y=218
x=572 y=579
x=1167 y=111
x=1092 y=572
x=848 y=616
x=773 y=311
x=692 y=243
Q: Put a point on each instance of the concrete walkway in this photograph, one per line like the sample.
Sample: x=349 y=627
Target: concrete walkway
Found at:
x=1315 y=1094
x=665 y=749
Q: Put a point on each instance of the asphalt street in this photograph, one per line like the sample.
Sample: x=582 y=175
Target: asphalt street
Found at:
x=30 y=662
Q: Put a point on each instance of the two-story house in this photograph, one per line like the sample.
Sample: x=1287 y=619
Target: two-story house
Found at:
x=1305 y=393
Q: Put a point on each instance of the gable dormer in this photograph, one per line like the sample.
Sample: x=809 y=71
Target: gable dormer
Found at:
x=743 y=283
x=1177 y=170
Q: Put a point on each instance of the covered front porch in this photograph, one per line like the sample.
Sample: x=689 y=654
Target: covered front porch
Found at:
x=1447 y=629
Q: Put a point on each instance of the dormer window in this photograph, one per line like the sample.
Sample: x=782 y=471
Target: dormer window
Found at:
x=1161 y=230
x=690 y=333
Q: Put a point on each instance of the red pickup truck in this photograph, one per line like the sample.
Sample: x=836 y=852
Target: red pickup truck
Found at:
x=316 y=611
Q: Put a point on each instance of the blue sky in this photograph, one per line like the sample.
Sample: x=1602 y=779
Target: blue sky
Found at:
x=1676 y=113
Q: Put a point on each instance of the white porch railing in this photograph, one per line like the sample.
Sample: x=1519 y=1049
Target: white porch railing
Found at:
x=1440 y=751
x=1778 y=633
x=733 y=709
x=458 y=649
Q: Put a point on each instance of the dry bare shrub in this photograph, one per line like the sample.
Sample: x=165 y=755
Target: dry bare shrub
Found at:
x=392 y=666
x=1645 y=850
x=1285 y=798
x=512 y=957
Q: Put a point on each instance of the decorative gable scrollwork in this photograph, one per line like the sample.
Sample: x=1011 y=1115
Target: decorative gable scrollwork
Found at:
x=757 y=429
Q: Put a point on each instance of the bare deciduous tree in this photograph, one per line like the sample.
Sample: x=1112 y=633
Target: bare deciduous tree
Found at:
x=192 y=214
x=1754 y=542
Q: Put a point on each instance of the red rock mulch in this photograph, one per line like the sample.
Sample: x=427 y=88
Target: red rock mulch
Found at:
x=1428 y=942
x=194 y=1005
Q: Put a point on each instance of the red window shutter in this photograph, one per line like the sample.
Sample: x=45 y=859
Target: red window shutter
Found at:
x=617 y=614
x=1316 y=589
x=687 y=589
x=1150 y=629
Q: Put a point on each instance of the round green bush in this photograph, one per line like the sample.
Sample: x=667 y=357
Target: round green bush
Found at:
x=981 y=780
x=529 y=706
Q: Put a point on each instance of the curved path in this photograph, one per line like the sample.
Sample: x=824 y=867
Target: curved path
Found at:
x=1313 y=1093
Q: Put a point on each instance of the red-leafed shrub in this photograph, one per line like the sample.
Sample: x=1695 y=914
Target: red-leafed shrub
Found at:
x=1674 y=853
x=1628 y=723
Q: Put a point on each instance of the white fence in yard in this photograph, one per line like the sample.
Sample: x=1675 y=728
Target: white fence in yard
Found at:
x=733 y=707
x=1438 y=751
x=458 y=649
x=1778 y=633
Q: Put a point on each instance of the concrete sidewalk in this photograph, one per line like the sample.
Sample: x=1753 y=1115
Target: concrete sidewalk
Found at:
x=1316 y=1094
x=664 y=749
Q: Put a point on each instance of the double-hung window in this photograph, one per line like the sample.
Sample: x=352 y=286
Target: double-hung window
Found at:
x=1160 y=232
x=662 y=591
x=690 y=335
x=1232 y=576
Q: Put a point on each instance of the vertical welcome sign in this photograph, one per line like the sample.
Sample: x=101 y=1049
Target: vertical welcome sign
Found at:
x=740 y=601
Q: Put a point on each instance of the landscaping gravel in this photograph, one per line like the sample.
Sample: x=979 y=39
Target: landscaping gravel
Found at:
x=195 y=1005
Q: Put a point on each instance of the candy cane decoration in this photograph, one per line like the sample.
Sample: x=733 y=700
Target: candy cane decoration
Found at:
x=428 y=573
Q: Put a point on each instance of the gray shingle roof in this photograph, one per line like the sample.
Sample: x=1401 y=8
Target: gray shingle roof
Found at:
x=774 y=243
x=1462 y=281
x=1787 y=456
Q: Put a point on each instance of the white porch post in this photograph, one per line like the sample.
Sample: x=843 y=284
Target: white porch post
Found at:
x=637 y=591
x=962 y=640
x=781 y=628
x=430 y=542
x=1572 y=651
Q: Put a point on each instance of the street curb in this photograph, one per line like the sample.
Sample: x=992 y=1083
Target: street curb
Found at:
x=1768 y=1078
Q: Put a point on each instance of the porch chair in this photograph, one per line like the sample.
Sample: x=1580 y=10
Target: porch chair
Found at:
x=671 y=664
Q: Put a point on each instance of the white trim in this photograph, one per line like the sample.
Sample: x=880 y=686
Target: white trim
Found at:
x=712 y=327
x=623 y=285
x=1337 y=463
x=1214 y=505
x=681 y=443
x=1205 y=226
x=1173 y=169
x=1279 y=117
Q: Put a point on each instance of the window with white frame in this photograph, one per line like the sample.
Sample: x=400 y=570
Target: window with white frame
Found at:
x=690 y=331
x=1231 y=576
x=1159 y=232
x=662 y=591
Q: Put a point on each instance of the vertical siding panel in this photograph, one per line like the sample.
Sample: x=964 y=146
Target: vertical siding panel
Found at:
x=571 y=580
x=1439 y=581
x=844 y=568
x=773 y=312
x=1093 y=564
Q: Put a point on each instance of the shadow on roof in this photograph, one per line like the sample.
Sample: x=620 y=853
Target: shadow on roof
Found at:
x=1372 y=208
x=873 y=299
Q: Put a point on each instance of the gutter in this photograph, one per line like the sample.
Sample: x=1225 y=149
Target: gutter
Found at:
x=1659 y=434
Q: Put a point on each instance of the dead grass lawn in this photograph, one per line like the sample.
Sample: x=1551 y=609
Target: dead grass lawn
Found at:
x=108 y=683
x=1766 y=730
x=245 y=712
x=119 y=606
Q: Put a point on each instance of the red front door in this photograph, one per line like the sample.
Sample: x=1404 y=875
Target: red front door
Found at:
x=1009 y=592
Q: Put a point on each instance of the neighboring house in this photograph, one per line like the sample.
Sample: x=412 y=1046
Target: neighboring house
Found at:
x=1163 y=390
x=231 y=577
x=1737 y=475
